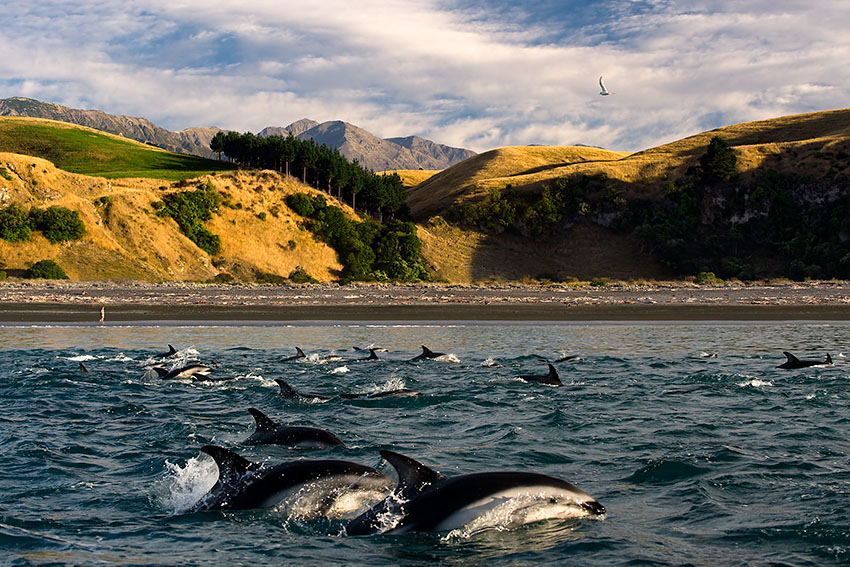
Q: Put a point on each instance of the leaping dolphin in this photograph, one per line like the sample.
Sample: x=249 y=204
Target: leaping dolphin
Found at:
x=552 y=378
x=425 y=500
x=269 y=432
x=298 y=355
x=312 y=487
x=793 y=362
x=428 y=353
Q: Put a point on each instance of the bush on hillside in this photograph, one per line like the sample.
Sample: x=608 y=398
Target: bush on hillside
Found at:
x=58 y=224
x=15 y=224
x=299 y=275
x=190 y=209
x=47 y=270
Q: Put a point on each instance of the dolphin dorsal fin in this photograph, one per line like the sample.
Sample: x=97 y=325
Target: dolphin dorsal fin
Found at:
x=171 y=350
x=552 y=372
x=374 y=356
x=160 y=371
x=427 y=351
x=790 y=357
x=264 y=422
x=300 y=353
x=413 y=476
x=286 y=390
x=230 y=465
x=828 y=359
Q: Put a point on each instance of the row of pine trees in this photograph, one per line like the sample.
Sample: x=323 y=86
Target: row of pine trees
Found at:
x=320 y=166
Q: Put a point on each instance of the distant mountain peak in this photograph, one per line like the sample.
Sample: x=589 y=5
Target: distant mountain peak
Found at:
x=352 y=141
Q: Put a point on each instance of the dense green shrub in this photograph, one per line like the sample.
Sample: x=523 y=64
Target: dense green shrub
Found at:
x=46 y=269
x=58 y=224
x=299 y=275
x=4 y=173
x=368 y=250
x=190 y=209
x=15 y=224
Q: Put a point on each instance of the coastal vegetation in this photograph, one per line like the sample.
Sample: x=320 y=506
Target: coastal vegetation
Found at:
x=190 y=209
x=56 y=224
x=321 y=167
x=369 y=251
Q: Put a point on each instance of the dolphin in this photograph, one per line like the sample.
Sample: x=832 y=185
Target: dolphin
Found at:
x=298 y=355
x=288 y=391
x=171 y=351
x=793 y=362
x=569 y=358
x=269 y=432
x=399 y=393
x=427 y=353
x=552 y=378
x=372 y=356
x=83 y=368
x=196 y=371
x=424 y=500
x=312 y=488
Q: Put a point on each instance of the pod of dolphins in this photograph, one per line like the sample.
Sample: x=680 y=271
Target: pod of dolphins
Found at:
x=420 y=499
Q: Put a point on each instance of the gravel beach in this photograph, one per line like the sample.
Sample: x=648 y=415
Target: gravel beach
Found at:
x=80 y=302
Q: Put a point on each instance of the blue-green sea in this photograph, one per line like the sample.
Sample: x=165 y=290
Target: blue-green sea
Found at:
x=702 y=451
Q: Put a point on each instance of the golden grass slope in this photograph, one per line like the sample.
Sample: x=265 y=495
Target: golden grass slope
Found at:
x=801 y=143
x=126 y=239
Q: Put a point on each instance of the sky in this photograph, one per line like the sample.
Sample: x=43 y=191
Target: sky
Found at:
x=477 y=74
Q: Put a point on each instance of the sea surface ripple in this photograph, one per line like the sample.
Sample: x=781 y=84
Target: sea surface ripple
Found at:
x=700 y=449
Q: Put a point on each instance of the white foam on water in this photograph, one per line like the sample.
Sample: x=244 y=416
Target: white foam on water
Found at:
x=182 y=487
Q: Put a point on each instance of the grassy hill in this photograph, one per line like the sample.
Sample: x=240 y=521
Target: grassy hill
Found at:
x=804 y=144
x=642 y=215
x=90 y=152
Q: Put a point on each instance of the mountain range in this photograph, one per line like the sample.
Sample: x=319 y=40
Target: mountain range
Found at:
x=373 y=152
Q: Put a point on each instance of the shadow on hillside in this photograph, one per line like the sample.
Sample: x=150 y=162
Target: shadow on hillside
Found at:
x=584 y=251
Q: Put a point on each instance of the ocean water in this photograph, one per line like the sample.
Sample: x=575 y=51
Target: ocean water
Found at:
x=698 y=459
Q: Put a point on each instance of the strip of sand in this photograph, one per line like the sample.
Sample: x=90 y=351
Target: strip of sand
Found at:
x=80 y=302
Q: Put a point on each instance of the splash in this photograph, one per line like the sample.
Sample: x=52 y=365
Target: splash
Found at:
x=340 y=370
x=182 y=487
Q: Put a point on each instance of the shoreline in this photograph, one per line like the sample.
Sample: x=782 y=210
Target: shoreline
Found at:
x=80 y=302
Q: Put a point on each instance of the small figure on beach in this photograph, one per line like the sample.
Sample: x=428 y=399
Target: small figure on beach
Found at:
x=102 y=314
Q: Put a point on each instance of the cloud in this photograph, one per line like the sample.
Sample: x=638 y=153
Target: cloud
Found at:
x=473 y=74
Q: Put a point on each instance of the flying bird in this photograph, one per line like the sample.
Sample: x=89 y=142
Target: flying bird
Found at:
x=604 y=91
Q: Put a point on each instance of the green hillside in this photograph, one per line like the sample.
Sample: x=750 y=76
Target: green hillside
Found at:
x=90 y=152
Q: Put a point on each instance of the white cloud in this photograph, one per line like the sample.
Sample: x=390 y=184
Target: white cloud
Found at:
x=400 y=67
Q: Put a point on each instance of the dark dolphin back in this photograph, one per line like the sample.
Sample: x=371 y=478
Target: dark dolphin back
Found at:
x=264 y=422
x=286 y=390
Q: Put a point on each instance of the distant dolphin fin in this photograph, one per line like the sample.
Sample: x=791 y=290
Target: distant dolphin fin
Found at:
x=553 y=373
x=300 y=352
x=286 y=390
x=84 y=369
x=427 y=352
x=413 y=476
x=230 y=465
x=264 y=422
x=828 y=359
x=790 y=357
x=171 y=350
x=372 y=355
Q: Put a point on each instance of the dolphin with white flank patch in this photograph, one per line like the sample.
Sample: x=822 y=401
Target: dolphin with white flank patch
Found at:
x=269 y=432
x=372 y=356
x=428 y=353
x=299 y=354
x=793 y=362
x=551 y=378
x=425 y=500
x=194 y=371
x=313 y=488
